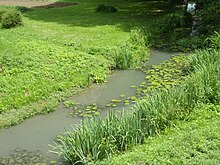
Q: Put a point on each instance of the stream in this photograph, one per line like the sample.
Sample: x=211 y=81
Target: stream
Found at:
x=34 y=134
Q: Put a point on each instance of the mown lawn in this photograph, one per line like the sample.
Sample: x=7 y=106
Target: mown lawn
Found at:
x=59 y=51
x=195 y=141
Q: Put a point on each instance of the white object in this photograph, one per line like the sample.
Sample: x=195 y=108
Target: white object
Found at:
x=191 y=8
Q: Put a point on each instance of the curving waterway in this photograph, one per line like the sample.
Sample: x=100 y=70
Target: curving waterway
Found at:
x=36 y=133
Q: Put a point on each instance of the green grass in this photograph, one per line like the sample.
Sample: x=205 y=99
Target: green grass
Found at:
x=195 y=141
x=59 y=51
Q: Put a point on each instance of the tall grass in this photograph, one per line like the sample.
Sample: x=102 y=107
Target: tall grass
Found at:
x=98 y=139
x=134 y=52
x=214 y=40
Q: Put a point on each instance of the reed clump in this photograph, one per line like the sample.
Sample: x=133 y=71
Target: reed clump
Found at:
x=134 y=52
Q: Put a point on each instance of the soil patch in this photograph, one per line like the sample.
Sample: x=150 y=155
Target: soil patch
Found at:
x=56 y=4
x=36 y=4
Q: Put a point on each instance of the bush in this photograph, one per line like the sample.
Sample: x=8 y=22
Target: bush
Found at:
x=170 y=22
x=22 y=9
x=209 y=12
x=107 y=9
x=2 y=11
x=191 y=43
x=11 y=18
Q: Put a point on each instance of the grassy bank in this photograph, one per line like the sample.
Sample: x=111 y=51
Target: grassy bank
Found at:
x=194 y=141
x=59 y=51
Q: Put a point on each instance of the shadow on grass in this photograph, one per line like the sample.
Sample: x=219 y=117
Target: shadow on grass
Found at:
x=130 y=14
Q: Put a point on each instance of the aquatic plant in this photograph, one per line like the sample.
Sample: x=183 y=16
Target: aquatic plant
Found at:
x=134 y=52
x=97 y=139
x=164 y=75
x=69 y=103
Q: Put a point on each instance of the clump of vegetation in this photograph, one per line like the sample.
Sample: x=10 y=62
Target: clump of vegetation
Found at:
x=10 y=18
x=134 y=52
x=208 y=11
x=22 y=9
x=69 y=103
x=85 y=111
x=106 y=8
x=213 y=41
x=182 y=31
x=165 y=75
x=98 y=139
x=194 y=141
x=174 y=20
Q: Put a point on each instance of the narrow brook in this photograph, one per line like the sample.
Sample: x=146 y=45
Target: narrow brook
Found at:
x=34 y=134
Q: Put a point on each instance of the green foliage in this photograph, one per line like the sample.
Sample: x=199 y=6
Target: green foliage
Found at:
x=58 y=53
x=194 y=141
x=209 y=12
x=174 y=20
x=2 y=11
x=11 y=18
x=98 y=139
x=206 y=64
x=106 y=8
x=22 y=9
x=57 y=77
x=165 y=75
x=171 y=31
x=192 y=43
x=214 y=40
x=69 y=103
x=134 y=52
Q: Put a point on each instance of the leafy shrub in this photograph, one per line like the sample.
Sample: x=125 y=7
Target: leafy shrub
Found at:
x=170 y=22
x=22 y=9
x=209 y=12
x=105 y=8
x=11 y=18
x=191 y=43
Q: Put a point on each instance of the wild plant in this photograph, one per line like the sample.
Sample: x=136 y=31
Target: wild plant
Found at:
x=96 y=139
x=134 y=52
